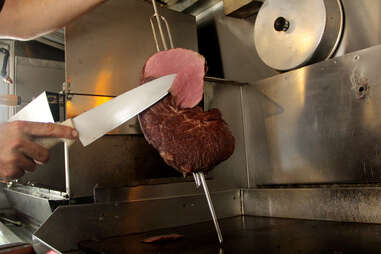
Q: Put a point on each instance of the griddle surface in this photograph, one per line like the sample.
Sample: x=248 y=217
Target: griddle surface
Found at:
x=253 y=235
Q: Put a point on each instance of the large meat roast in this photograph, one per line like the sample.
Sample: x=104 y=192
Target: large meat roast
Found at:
x=187 y=138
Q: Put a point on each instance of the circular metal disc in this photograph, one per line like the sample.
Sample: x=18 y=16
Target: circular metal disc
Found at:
x=296 y=44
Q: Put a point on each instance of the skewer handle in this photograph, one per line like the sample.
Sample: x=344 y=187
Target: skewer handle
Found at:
x=156 y=17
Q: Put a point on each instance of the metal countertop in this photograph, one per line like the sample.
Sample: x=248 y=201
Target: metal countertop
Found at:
x=253 y=235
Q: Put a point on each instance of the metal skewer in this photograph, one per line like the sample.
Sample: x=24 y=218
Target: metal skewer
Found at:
x=156 y=16
x=199 y=177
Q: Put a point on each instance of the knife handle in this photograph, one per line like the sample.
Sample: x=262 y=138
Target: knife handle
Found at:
x=49 y=142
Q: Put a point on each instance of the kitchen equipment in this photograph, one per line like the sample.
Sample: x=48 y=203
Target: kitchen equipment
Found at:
x=98 y=121
x=199 y=177
x=156 y=16
x=291 y=33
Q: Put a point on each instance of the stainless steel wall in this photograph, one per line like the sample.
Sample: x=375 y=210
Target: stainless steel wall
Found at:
x=235 y=41
x=32 y=77
x=321 y=123
x=362 y=23
x=227 y=97
x=306 y=126
x=240 y=60
x=106 y=49
x=105 y=53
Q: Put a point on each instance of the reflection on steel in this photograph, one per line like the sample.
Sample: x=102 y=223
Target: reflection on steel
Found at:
x=210 y=204
x=317 y=124
x=345 y=204
x=300 y=32
x=232 y=173
x=197 y=180
x=85 y=222
x=67 y=169
x=108 y=59
x=35 y=204
x=249 y=234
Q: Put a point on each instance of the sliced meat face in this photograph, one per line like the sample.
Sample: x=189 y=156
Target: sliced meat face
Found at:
x=188 y=87
x=187 y=138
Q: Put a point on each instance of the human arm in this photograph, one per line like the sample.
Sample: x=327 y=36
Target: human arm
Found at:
x=28 y=19
x=18 y=152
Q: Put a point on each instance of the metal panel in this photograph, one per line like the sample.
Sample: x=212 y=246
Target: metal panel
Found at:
x=33 y=76
x=240 y=59
x=4 y=111
x=321 y=122
x=163 y=191
x=97 y=221
x=227 y=97
x=235 y=44
x=51 y=175
x=253 y=235
x=130 y=160
x=362 y=20
x=35 y=208
x=7 y=236
x=334 y=204
x=115 y=161
x=106 y=49
x=105 y=53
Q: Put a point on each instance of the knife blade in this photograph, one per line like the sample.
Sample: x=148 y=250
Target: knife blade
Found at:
x=100 y=120
x=95 y=123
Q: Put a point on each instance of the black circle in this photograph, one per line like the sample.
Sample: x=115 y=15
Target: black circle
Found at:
x=281 y=24
x=361 y=89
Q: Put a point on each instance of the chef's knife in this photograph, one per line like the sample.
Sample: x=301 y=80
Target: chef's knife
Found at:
x=100 y=120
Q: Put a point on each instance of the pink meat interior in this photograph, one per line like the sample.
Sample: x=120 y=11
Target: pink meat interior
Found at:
x=188 y=87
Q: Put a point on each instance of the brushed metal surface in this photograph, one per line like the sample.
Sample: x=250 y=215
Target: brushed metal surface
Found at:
x=35 y=209
x=361 y=25
x=285 y=50
x=234 y=7
x=227 y=97
x=247 y=234
x=156 y=191
x=320 y=123
x=351 y=204
x=4 y=111
x=106 y=49
x=335 y=24
x=239 y=58
x=241 y=61
x=313 y=33
x=84 y=222
x=32 y=77
x=105 y=53
x=116 y=161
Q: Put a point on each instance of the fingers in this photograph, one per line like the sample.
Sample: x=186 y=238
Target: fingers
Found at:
x=15 y=166
x=34 y=151
x=45 y=129
x=25 y=164
x=18 y=153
